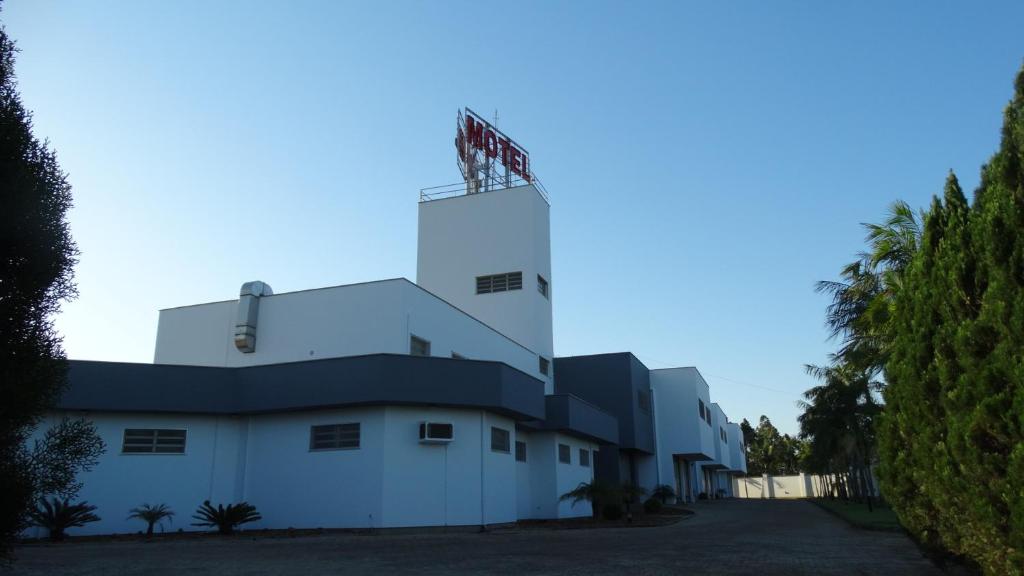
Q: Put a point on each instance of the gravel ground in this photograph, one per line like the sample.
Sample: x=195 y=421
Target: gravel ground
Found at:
x=725 y=537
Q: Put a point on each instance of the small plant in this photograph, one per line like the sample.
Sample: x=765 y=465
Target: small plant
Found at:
x=663 y=492
x=59 y=515
x=226 y=519
x=151 y=515
x=612 y=511
x=596 y=492
x=652 y=505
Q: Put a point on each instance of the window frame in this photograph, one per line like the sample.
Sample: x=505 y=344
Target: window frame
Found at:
x=508 y=440
x=543 y=286
x=520 y=451
x=502 y=282
x=543 y=365
x=412 y=341
x=338 y=433
x=154 y=442
x=567 y=450
x=584 y=462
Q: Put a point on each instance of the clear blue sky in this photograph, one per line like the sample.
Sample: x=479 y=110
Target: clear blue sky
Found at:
x=707 y=162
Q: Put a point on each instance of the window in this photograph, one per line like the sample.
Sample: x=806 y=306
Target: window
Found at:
x=499 y=440
x=458 y=356
x=643 y=399
x=584 y=457
x=725 y=438
x=418 y=346
x=153 y=441
x=334 y=436
x=700 y=408
x=542 y=286
x=564 y=454
x=499 y=282
x=545 y=364
x=520 y=451
x=707 y=413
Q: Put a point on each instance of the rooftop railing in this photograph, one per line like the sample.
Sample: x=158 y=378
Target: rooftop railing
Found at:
x=463 y=188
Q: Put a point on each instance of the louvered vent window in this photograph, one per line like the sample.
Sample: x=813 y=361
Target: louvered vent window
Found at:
x=499 y=282
x=334 y=437
x=153 y=441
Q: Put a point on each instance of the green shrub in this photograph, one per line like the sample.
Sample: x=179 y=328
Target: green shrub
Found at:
x=225 y=518
x=59 y=515
x=612 y=511
x=652 y=505
x=151 y=515
x=664 y=493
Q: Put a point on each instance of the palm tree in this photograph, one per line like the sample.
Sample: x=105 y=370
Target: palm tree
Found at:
x=59 y=515
x=151 y=515
x=597 y=493
x=663 y=492
x=862 y=299
x=225 y=518
x=838 y=422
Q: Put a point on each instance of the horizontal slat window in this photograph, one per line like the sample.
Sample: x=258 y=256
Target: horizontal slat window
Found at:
x=334 y=437
x=499 y=282
x=153 y=441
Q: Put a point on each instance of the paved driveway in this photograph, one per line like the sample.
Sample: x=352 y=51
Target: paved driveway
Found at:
x=728 y=537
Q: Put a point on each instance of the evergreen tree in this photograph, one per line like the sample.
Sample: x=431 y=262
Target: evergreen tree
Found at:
x=952 y=437
x=36 y=259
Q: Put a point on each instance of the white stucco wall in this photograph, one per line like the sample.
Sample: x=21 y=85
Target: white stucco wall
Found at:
x=678 y=426
x=369 y=318
x=391 y=480
x=496 y=232
x=737 y=454
x=210 y=468
x=719 y=423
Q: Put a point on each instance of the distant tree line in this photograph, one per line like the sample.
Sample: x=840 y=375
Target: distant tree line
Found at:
x=768 y=451
x=928 y=381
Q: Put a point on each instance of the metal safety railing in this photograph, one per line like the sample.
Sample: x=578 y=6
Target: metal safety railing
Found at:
x=479 y=187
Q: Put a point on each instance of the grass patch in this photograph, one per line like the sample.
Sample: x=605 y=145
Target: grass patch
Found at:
x=857 y=514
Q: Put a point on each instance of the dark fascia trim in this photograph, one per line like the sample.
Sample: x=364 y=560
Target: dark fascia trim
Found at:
x=574 y=416
x=367 y=380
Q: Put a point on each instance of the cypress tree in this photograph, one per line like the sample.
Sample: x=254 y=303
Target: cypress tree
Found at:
x=952 y=437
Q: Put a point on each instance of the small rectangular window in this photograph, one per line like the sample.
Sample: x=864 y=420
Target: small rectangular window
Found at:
x=520 y=451
x=542 y=285
x=564 y=454
x=707 y=412
x=584 y=457
x=334 y=436
x=643 y=399
x=499 y=440
x=153 y=441
x=700 y=408
x=545 y=364
x=499 y=282
x=418 y=346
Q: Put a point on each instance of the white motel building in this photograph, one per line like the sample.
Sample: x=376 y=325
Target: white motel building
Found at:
x=397 y=403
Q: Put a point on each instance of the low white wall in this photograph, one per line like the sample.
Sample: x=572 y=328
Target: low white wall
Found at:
x=797 y=486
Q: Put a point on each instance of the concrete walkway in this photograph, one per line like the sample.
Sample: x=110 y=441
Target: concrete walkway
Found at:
x=727 y=537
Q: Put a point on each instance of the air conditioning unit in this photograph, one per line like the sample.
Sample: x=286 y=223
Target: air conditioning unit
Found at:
x=436 y=432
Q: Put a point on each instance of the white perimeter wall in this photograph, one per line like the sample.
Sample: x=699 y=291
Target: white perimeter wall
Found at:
x=370 y=318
